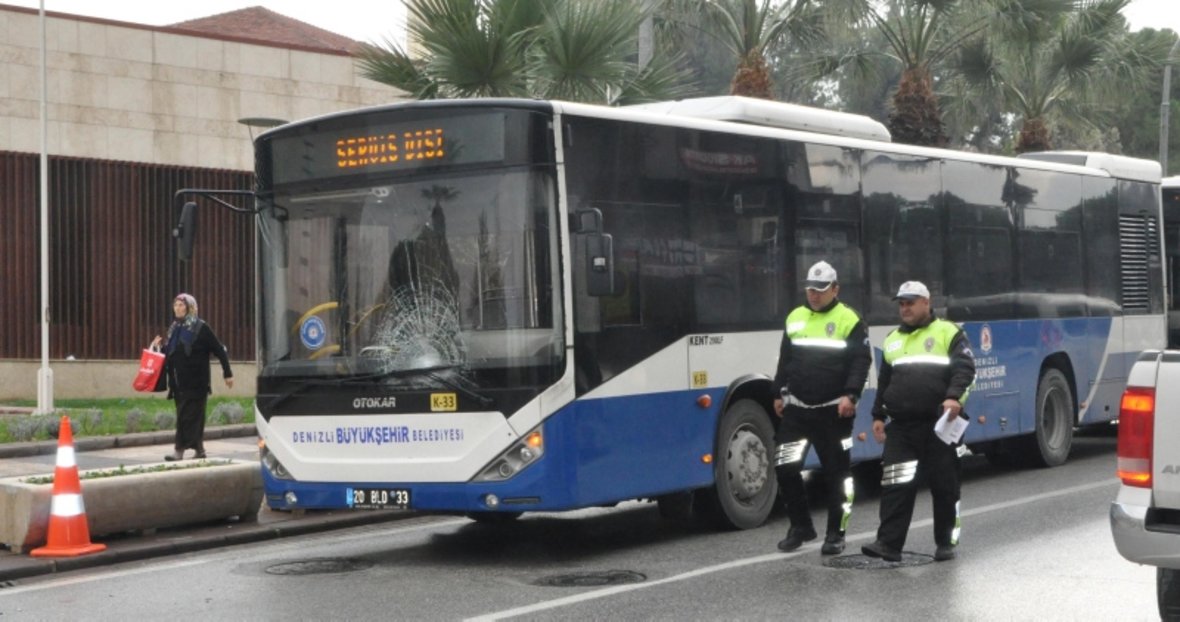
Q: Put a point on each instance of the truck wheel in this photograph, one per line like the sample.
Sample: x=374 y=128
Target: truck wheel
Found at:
x=1050 y=443
x=745 y=485
x=1167 y=583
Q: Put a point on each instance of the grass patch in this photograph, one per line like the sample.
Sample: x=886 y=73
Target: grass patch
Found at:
x=122 y=470
x=113 y=416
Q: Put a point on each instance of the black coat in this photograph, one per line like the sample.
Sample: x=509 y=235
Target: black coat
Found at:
x=186 y=369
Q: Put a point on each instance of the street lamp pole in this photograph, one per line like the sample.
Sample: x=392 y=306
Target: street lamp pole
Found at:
x=1166 y=107
x=45 y=374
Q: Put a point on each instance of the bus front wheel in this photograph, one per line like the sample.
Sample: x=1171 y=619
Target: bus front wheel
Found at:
x=745 y=485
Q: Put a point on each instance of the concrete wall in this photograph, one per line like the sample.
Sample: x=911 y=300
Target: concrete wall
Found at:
x=124 y=92
x=105 y=379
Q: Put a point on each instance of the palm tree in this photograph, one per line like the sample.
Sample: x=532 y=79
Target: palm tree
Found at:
x=1050 y=59
x=579 y=50
x=748 y=28
x=922 y=35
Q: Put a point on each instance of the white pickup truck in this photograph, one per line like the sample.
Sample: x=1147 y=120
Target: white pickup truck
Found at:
x=1145 y=517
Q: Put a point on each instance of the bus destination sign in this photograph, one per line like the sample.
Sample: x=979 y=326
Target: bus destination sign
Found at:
x=380 y=150
x=311 y=153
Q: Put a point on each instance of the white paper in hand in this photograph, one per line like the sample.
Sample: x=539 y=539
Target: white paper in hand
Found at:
x=950 y=431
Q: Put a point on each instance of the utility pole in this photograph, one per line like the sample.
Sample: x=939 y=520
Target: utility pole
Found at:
x=45 y=374
x=1166 y=107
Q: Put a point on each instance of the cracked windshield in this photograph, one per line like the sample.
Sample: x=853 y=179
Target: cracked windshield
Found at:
x=450 y=275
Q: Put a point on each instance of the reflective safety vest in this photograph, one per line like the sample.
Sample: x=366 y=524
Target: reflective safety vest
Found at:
x=929 y=347
x=830 y=329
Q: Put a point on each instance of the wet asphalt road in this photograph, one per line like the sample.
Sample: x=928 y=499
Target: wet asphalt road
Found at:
x=1036 y=546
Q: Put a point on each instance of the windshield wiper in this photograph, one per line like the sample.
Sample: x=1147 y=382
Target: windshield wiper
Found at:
x=427 y=372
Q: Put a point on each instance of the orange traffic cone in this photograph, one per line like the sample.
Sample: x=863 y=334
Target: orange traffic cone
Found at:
x=69 y=535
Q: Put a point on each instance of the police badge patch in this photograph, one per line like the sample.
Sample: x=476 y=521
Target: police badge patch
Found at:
x=929 y=344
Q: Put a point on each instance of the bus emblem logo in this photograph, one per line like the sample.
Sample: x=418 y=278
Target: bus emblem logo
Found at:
x=985 y=339
x=312 y=333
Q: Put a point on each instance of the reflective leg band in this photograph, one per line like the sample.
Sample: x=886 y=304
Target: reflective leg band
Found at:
x=958 y=526
x=848 y=497
x=790 y=452
x=900 y=473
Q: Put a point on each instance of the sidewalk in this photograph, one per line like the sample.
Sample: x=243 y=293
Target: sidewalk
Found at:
x=132 y=449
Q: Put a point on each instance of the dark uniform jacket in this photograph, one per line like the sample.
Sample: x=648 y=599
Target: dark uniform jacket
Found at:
x=815 y=375
x=916 y=389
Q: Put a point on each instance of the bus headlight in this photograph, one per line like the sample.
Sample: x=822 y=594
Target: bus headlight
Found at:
x=272 y=464
x=516 y=458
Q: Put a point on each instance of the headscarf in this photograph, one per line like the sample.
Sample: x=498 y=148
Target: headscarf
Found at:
x=184 y=329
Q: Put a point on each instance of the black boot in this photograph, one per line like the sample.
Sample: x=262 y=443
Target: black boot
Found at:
x=796 y=536
x=881 y=550
x=833 y=544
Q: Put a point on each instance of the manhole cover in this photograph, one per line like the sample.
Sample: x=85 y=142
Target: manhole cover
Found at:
x=592 y=579
x=864 y=562
x=318 y=566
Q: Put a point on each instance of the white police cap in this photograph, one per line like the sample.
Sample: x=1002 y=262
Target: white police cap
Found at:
x=820 y=276
x=912 y=289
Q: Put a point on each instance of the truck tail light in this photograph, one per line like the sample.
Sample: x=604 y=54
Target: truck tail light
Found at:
x=1136 y=435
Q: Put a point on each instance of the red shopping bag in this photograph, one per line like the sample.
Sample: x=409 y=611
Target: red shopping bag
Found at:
x=151 y=364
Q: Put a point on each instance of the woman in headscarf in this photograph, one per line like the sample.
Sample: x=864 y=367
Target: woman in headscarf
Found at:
x=187 y=348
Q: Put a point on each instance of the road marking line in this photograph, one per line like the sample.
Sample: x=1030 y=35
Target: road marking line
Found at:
x=233 y=551
x=770 y=557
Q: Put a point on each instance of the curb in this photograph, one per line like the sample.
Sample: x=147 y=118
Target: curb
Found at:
x=134 y=439
x=172 y=542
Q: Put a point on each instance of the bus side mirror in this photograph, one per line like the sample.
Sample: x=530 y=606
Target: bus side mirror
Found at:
x=186 y=231
x=600 y=252
x=600 y=264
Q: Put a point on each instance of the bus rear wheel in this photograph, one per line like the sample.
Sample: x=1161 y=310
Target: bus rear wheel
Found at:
x=745 y=485
x=1049 y=445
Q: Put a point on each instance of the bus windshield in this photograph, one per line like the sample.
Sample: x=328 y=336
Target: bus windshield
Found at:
x=400 y=280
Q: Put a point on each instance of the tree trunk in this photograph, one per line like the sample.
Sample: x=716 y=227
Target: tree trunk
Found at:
x=916 y=118
x=1034 y=136
x=752 y=78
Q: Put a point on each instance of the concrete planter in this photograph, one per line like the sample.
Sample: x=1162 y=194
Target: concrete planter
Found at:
x=135 y=502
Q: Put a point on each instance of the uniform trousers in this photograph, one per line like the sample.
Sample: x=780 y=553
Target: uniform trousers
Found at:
x=831 y=435
x=911 y=446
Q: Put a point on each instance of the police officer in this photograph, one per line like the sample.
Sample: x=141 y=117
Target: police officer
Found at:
x=823 y=362
x=927 y=372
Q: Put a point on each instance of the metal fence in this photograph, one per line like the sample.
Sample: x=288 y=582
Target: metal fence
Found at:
x=112 y=259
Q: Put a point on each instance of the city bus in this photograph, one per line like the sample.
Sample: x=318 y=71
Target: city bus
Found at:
x=492 y=307
x=1170 y=199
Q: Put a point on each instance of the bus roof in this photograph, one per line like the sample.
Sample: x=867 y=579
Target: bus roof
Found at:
x=638 y=115
x=772 y=114
x=1171 y=182
x=1122 y=167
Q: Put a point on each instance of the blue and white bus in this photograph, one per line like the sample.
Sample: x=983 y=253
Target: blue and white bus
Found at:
x=492 y=307
x=1170 y=199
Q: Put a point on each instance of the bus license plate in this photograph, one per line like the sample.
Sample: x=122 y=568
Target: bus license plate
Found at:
x=379 y=498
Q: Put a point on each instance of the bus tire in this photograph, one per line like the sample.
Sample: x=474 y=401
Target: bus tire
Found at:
x=1167 y=588
x=1049 y=444
x=745 y=486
